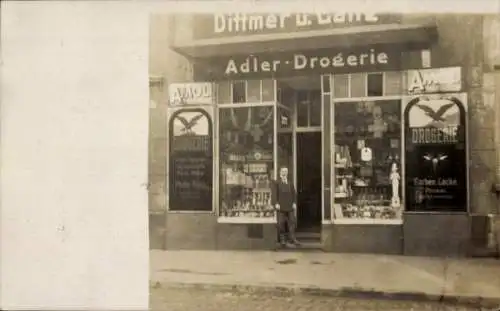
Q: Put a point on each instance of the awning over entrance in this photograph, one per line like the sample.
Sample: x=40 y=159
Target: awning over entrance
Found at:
x=310 y=40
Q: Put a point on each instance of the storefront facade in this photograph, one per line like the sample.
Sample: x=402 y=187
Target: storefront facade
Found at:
x=372 y=114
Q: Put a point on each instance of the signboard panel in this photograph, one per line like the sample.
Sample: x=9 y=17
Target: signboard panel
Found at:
x=436 y=153
x=435 y=80
x=286 y=64
x=241 y=24
x=190 y=161
x=196 y=93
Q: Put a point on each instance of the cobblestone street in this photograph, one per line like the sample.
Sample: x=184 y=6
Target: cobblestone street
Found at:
x=177 y=299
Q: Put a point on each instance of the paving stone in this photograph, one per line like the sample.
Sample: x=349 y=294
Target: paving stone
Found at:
x=177 y=299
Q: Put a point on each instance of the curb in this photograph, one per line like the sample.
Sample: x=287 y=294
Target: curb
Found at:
x=345 y=292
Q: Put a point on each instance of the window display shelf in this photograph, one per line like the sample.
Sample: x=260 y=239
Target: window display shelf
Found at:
x=244 y=213
x=247 y=191
x=344 y=176
x=367 y=154
x=373 y=210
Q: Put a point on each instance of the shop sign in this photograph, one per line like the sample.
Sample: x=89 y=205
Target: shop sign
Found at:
x=241 y=24
x=190 y=161
x=196 y=93
x=436 y=153
x=310 y=62
x=435 y=80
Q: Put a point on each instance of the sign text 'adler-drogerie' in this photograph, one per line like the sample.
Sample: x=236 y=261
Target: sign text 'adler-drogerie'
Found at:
x=376 y=58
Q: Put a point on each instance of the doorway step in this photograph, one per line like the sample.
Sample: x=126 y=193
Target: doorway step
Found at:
x=310 y=241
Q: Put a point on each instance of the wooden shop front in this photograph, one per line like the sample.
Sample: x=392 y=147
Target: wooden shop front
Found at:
x=337 y=101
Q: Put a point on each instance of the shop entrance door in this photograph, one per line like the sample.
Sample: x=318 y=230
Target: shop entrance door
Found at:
x=309 y=181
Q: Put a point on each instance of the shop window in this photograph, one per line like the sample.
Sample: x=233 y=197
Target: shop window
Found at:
x=268 y=90
x=308 y=108
x=358 y=85
x=284 y=119
x=239 y=92
x=325 y=83
x=315 y=108
x=302 y=114
x=302 y=108
x=286 y=96
x=367 y=161
x=285 y=151
x=254 y=91
x=375 y=84
x=249 y=91
x=224 y=90
x=341 y=86
x=246 y=144
x=393 y=84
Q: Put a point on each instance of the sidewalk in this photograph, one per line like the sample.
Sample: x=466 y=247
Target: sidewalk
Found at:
x=471 y=281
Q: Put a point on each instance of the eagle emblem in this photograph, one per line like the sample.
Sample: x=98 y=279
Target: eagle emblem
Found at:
x=436 y=115
x=435 y=160
x=188 y=125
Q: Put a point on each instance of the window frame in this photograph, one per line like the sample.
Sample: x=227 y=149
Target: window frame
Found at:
x=253 y=104
x=400 y=97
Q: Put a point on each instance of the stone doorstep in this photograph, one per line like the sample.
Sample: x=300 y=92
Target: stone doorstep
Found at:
x=355 y=293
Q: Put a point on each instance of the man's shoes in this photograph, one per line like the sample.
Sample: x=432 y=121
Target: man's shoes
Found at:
x=295 y=242
x=290 y=245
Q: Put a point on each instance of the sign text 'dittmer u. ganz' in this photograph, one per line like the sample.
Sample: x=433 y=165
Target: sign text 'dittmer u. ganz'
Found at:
x=247 y=23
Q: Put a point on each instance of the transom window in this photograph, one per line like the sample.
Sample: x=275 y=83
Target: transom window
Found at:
x=246 y=91
x=375 y=84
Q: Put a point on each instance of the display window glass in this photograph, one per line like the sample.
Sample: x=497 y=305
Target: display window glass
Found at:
x=254 y=91
x=375 y=84
x=246 y=145
x=239 y=92
x=366 y=156
x=269 y=92
x=363 y=85
x=315 y=109
x=284 y=119
x=308 y=108
x=246 y=91
x=224 y=90
x=285 y=151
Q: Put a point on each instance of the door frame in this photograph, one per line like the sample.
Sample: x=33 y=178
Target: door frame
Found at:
x=312 y=129
x=294 y=129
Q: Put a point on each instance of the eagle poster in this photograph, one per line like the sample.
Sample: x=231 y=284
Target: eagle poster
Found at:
x=436 y=153
x=190 y=160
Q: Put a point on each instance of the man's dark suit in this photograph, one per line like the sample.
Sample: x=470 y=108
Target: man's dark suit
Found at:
x=286 y=196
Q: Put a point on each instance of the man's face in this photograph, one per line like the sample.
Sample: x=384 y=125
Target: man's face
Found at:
x=283 y=172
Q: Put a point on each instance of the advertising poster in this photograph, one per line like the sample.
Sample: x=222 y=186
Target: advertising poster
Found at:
x=436 y=153
x=191 y=161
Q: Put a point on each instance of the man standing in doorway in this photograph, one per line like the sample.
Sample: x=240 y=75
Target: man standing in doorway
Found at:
x=284 y=199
